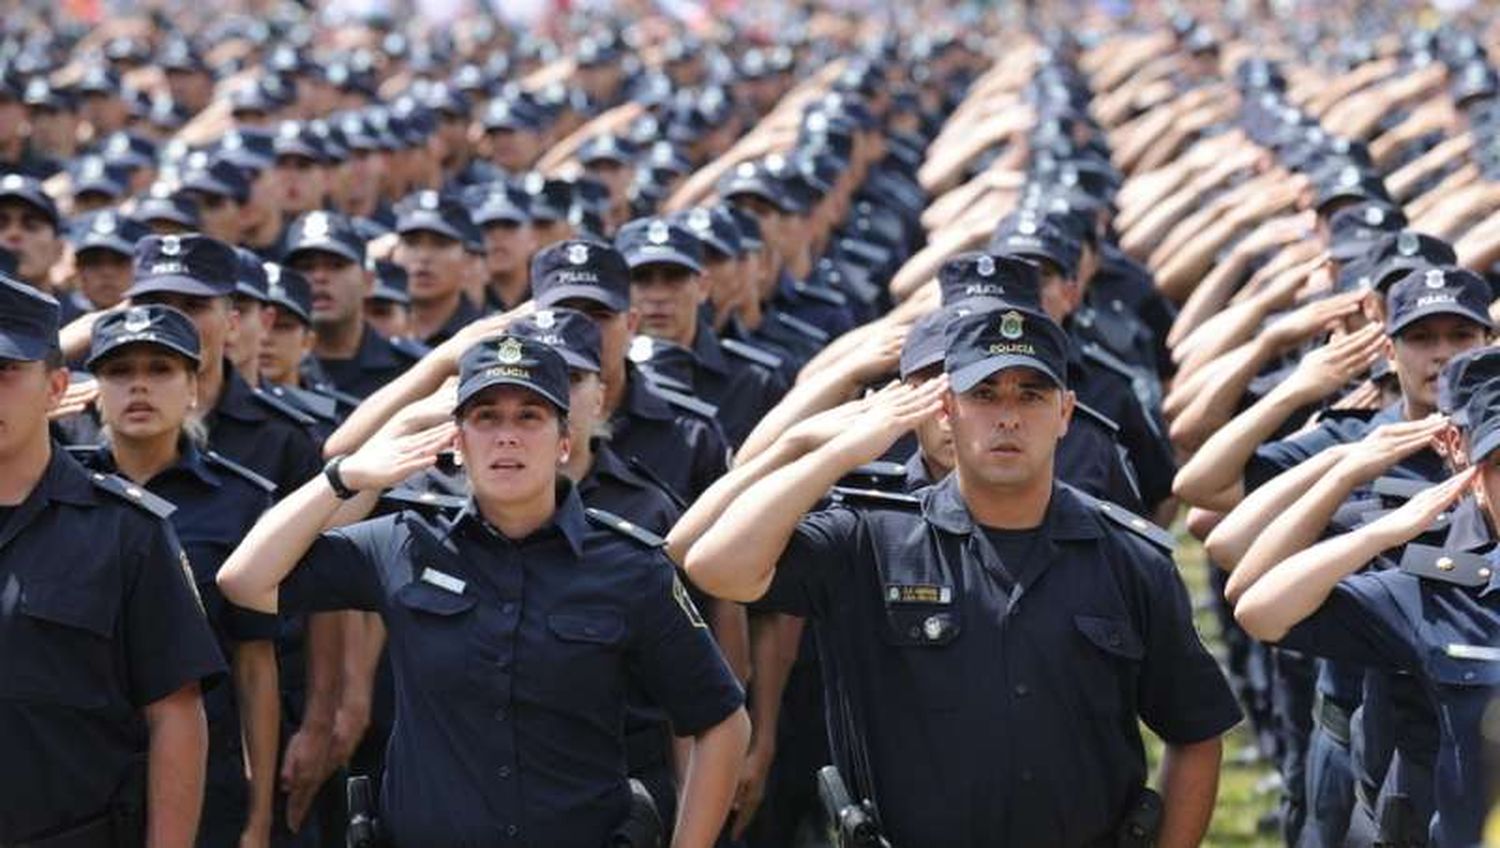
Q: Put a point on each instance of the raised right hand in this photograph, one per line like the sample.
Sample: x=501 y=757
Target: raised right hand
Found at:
x=890 y=415
x=1323 y=371
x=387 y=459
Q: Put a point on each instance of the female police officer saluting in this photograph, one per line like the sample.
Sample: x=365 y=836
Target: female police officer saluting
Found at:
x=513 y=627
x=146 y=360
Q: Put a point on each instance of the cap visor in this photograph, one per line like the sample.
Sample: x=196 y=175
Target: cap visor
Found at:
x=640 y=259
x=328 y=246
x=132 y=341
x=1484 y=446
x=14 y=350
x=178 y=285
x=390 y=294
x=613 y=300
x=467 y=391
x=427 y=224
x=1396 y=328
x=973 y=374
x=577 y=361
x=113 y=245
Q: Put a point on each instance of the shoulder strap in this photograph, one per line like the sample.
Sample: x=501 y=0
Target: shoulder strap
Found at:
x=1095 y=415
x=751 y=353
x=687 y=402
x=625 y=528
x=1456 y=567
x=133 y=494
x=219 y=460
x=1141 y=527
x=282 y=407
x=875 y=498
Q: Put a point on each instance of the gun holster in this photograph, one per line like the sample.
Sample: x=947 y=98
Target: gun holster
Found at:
x=1142 y=823
x=853 y=824
x=364 y=825
x=642 y=827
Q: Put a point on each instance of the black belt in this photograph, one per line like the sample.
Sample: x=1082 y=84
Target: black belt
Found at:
x=1332 y=717
x=95 y=833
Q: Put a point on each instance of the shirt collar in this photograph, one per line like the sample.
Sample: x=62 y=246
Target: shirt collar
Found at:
x=916 y=472
x=568 y=519
x=65 y=480
x=375 y=352
x=1468 y=528
x=640 y=399
x=463 y=316
x=237 y=399
x=1069 y=517
x=707 y=350
x=190 y=460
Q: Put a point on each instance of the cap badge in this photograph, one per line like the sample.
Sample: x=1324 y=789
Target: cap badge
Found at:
x=1012 y=325
x=1434 y=279
x=533 y=183
x=1026 y=227
x=428 y=200
x=137 y=319
x=745 y=169
x=546 y=319
x=105 y=224
x=14 y=182
x=273 y=275
x=699 y=220
x=641 y=349
x=171 y=246
x=985 y=267
x=1374 y=216
x=315 y=226
x=578 y=254
x=1407 y=244
x=657 y=233
x=509 y=351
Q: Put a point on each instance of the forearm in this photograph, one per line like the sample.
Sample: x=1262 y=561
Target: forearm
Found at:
x=736 y=557
x=730 y=624
x=1238 y=530
x=1220 y=464
x=364 y=643
x=1180 y=275
x=177 y=760
x=1296 y=529
x=325 y=659
x=257 y=691
x=774 y=641
x=1189 y=780
x=1295 y=588
x=1210 y=295
x=708 y=787
x=1214 y=404
x=820 y=391
x=276 y=543
x=418 y=382
x=713 y=502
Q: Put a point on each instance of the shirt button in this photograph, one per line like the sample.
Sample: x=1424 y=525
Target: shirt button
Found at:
x=511 y=830
x=508 y=607
x=1025 y=775
x=505 y=771
x=500 y=715
x=1022 y=690
x=1115 y=640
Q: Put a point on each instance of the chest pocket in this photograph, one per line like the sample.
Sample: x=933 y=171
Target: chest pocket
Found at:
x=1452 y=667
x=921 y=622
x=1109 y=657
x=434 y=636
x=583 y=650
x=60 y=648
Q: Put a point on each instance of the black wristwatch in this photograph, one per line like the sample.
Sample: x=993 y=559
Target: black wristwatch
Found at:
x=336 y=480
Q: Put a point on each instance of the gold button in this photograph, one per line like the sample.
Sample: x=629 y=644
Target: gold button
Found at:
x=1444 y=564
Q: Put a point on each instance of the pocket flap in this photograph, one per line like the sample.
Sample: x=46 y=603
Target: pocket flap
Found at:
x=1111 y=635
x=81 y=606
x=600 y=627
x=430 y=599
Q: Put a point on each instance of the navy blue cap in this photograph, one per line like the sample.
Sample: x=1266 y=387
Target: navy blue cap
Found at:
x=28 y=322
x=547 y=199
x=748 y=226
x=390 y=283
x=1442 y=290
x=512 y=360
x=151 y=324
x=1483 y=414
x=607 y=147
x=448 y=100
x=714 y=227
x=295 y=138
x=977 y=275
x=981 y=343
x=500 y=204
x=29 y=190
x=926 y=342
x=1348 y=181
x=288 y=289
x=250 y=275
x=325 y=232
x=580 y=268
x=1354 y=229
x=192 y=264
x=1461 y=376
x=129 y=150
x=41 y=94
x=1397 y=253
x=217 y=177
x=657 y=241
x=162 y=202
x=505 y=113
x=107 y=230
x=98 y=79
x=429 y=211
x=753 y=180
x=248 y=148
x=1033 y=237
x=92 y=174
x=357 y=134
x=571 y=333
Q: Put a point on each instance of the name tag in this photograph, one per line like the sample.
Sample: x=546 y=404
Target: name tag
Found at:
x=1483 y=653
x=918 y=594
x=443 y=581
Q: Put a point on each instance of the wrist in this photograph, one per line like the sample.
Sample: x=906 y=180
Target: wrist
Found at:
x=342 y=487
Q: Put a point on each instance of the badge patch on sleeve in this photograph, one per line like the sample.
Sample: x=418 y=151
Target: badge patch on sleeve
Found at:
x=689 y=609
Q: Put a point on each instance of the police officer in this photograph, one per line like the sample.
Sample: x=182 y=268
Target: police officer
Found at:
x=106 y=644
x=31 y=228
x=667 y=290
x=435 y=232
x=146 y=361
x=513 y=628
x=284 y=366
x=326 y=248
x=941 y=669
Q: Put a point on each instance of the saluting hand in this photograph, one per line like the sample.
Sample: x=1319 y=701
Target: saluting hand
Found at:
x=1416 y=515
x=1385 y=446
x=389 y=458
x=1325 y=370
x=78 y=397
x=891 y=413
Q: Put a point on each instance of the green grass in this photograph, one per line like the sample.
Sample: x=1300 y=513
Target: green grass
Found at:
x=1240 y=806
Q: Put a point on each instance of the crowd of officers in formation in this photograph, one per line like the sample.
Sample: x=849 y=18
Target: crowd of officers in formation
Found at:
x=587 y=436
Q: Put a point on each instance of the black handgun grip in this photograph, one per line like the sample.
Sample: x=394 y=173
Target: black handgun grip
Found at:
x=364 y=830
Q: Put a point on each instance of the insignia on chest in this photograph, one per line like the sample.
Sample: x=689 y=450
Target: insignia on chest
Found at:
x=896 y=593
x=446 y=582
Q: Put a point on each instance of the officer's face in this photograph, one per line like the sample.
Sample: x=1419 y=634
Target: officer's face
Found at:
x=338 y=286
x=28 y=233
x=145 y=392
x=934 y=435
x=1060 y=295
x=616 y=175
x=585 y=405
x=284 y=347
x=512 y=443
x=103 y=277
x=434 y=263
x=54 y=130
x=1420 y=352
x=667 y=297
x=726 y=282
x=390 y=320
x=507 y=247
x=513 y=150
x=361 y=182
x=244 y=343
x=615 y=332
x=1006 y=429
x=218 y=216
x=215 y=318
x=12 y=117
x=28 y=391
x=106 y=112
x=265 y=191
x=304 y=183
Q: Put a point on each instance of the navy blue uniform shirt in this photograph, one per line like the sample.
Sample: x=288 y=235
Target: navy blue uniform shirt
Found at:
x=686 y=450
x=245 y=427
x=511 y=661
x=466 y=314
x=744 y=391
x=98 y=619
x=376 y=363
x=1275 y=457
x=1000 y=701
x=613 y=486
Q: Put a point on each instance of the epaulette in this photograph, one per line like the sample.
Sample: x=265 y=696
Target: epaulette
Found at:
x=1095 y=415
x=217 y=459
x=751 y=353
x=819 y=293
x=283 y=407
x=1095 y=353
x=634 y=464
x=310 y=403
x=337 y=394
x=801 y=327
x=423 y=499
x=133 y=494
x=878 y=475
x=1398 y=487
x=1142 y=527
x=625 y=528
x=410 y=348
x=687 y=402
x=873 y=254
x=875 y=497
x=1456 y=567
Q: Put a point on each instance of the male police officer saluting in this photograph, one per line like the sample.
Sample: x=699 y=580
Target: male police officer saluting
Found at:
x=996 y=635
x=514 y=627
x=103 y=643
